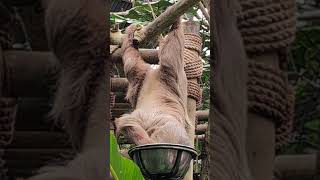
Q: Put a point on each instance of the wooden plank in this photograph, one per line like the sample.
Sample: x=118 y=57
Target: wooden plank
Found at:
x=39 y=139
x=31 y=154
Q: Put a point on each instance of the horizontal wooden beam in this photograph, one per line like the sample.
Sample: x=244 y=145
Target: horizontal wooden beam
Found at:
x=149 y=55
x=30 y=154
x=40 y=140
x=30 y=74
x=119 y=84
x=309 y=15
x=33 y=74
x=297 y=166
x=201 y=128
x=202 y=115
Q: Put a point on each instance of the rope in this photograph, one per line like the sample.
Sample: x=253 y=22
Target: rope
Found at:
x=7 y=20
x=193 y=42
x=8 y=109
x=267 y=25
x=195 y=92
x=193 y=65
x=269 y=95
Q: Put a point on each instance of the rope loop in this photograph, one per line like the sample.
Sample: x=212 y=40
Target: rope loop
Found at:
x=8 y=110
x=193 y=42
x=193 y=64
x=267 y=25
x=195 y=92
x=270 y=95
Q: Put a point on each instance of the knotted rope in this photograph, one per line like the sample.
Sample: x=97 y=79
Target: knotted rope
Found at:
x=8 y=110
x=7 y=20
x=270 y=96
x=193 y=65
x=267 y=25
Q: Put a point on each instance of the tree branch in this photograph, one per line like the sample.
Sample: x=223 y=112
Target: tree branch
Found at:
x=204 y=11
x=167 y=18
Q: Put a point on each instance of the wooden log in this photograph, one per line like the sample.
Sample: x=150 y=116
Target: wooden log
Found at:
x=122 y=106
x=31 y=73
x=32 y=115
x=202 y=115
x=119 y=84
x=201 y=128
x=309 y=15
x=297 y=166
x=31 y=154
x=39 y=140
x=121 y=97
x=149 y=55
x=20 y=164
x=261 y=135
x=24 y=173
x=204 y=11
x=192 y=28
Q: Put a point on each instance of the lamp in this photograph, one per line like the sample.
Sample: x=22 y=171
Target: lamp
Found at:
x=163 y=161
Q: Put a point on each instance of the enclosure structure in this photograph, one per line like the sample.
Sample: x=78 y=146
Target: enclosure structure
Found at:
x=28 y=79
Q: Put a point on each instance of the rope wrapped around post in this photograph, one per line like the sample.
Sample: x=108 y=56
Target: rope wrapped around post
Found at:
x=193 y=65
x=8 y=109
x=270 y=96
x=8 y=105
x=269 y=26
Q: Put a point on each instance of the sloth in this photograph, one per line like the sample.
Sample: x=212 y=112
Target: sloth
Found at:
x=158 y=95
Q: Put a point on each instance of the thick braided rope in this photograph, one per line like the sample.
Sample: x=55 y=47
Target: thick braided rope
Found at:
x=267 y=25
x=193 y=65
x=195 y=92
x=8 y=110
x=269 y=95
x=193 y=42
x=7 y=20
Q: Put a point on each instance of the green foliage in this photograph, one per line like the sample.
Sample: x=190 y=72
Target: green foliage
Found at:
x=122 y=168
x=141 y=13
x=305 y=64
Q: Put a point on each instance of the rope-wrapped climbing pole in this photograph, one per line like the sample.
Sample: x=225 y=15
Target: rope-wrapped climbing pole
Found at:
x=193 y=65
x=8 y=105
x=267 y=28
x=193 y=69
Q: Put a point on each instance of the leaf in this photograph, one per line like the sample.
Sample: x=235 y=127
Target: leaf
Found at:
x=122 y=168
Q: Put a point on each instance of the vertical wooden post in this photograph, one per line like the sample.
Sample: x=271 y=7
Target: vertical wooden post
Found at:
x=193 y=28
x=261 y=134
